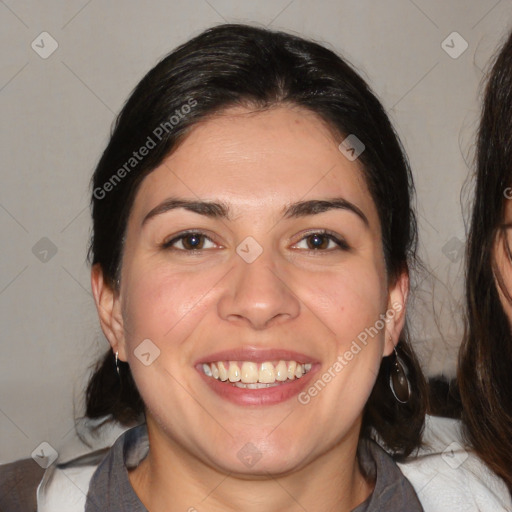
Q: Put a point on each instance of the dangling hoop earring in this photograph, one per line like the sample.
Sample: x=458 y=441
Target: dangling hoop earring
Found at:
x=398 y=381
x=117 y=364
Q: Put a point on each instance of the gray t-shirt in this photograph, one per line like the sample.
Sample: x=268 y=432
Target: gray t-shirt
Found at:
x=110 y=489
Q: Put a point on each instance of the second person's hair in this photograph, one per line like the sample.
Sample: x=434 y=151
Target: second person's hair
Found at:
x=485 y=360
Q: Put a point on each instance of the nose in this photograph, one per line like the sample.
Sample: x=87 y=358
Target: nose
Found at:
x=256 y=295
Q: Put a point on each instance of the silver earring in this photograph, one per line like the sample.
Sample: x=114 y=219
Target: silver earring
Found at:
x=398 y=381
x=117 y=364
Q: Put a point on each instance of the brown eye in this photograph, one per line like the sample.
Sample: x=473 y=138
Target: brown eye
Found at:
x=189 y=242
x=322 y=241
x=193 y=241
x=318 y=241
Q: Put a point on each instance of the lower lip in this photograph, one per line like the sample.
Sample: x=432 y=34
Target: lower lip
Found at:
x=264 y=396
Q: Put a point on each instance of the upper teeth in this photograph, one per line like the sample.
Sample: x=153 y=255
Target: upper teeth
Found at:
x=250 y=372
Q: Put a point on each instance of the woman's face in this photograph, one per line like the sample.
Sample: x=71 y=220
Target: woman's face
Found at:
x=503 y=262
x=255 y=246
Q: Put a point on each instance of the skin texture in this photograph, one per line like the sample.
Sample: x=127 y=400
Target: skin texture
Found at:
x=312 y=301
x=503 y=263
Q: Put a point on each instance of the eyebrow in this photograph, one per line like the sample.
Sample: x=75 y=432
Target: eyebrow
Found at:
x=221 y=210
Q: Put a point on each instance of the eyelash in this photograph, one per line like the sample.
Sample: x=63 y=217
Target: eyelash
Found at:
x=169 y=244
x=342 y=244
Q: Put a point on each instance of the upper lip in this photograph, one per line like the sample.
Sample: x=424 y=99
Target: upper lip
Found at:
x=257 y=355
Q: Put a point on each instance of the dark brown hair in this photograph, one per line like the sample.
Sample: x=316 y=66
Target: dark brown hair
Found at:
x=242 y=65
x=485 y=359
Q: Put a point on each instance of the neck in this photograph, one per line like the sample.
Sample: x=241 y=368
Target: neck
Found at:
x=332 y=481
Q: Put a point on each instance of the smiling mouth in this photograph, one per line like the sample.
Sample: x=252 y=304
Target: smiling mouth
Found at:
x=251 y=375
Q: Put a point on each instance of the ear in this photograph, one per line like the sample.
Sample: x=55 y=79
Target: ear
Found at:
x=395 y=314
x=108 y=305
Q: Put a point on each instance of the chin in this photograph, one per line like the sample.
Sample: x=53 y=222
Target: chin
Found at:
x=261 y=458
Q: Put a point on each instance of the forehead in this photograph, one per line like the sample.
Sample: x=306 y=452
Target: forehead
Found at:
x=256 y=160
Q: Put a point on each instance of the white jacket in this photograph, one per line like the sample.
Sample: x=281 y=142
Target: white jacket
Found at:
x=449 y=478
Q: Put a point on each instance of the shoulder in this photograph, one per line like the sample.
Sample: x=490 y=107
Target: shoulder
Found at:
x=65 y=485
x=448 y=476
x=18 y=484
x=392 y=490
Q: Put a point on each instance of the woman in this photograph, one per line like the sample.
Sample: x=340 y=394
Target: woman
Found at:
x=261 y=227
x=251 y=237
x=454 y=451
x=485 y=372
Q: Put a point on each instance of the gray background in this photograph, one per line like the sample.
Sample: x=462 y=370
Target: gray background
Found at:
x=56 y=115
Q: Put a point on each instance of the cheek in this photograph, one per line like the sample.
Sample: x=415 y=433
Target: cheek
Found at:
x=352 y=306
x=165 y=306
x=503 y=279
x=348 y=302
